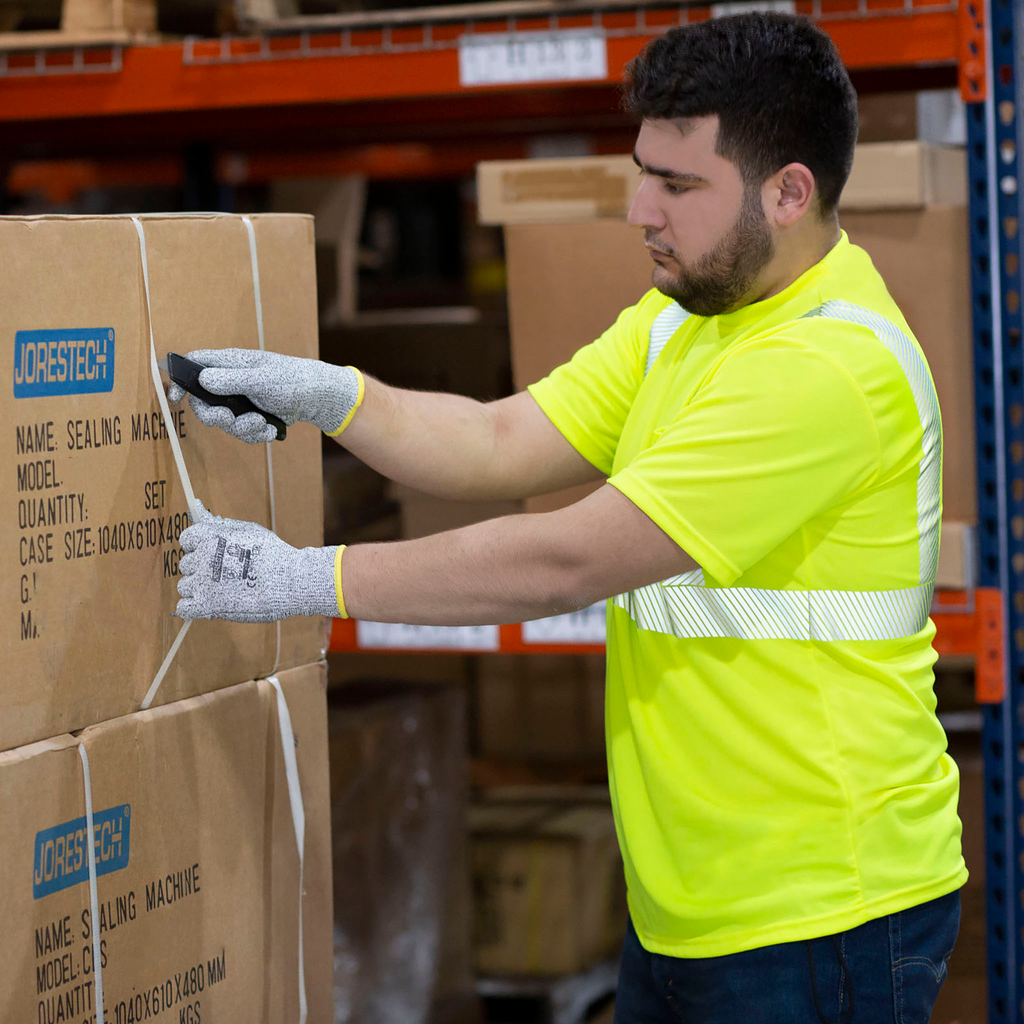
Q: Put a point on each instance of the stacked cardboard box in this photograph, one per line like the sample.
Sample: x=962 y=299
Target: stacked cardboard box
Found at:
x=540 y=708
x=197 y=856
x=550 y=895
x=573 y=264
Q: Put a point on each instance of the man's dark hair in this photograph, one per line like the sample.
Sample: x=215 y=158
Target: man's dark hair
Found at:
x=775 y=81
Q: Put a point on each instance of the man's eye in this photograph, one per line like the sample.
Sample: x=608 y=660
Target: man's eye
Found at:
x=675 y=190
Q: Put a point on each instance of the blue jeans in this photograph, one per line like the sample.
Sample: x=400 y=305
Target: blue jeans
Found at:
x=888 y=971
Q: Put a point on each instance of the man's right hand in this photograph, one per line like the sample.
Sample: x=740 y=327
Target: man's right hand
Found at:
x=293 y=389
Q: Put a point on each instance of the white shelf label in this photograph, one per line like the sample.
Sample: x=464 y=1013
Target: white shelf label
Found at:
x=508 y=58
x=723 y=10
x=586 y=626
x=383 y=635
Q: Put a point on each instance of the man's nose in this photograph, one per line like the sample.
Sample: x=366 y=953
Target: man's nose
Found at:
x=645 y=211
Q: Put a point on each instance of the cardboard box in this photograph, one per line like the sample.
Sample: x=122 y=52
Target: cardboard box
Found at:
x=958 y=556
x=905 y=176
x=198 y=870
x=540 y=708
x=549 y=889
x=423 y=514
x=924 y=258
x=931 y=115
x=81 y=17
x=885 y=175
x=463 y=358
x=555 y=189
x=93 y=507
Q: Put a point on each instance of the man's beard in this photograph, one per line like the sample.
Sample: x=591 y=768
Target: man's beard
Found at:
x=722 y=277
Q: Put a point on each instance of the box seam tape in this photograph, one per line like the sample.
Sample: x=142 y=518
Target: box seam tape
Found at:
x=179 y=459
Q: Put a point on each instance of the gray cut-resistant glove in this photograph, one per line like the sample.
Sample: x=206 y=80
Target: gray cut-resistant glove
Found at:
x=243 y=572
x=294 y=389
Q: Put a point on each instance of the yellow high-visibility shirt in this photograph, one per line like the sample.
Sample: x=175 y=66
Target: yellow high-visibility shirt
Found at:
x=777 y=768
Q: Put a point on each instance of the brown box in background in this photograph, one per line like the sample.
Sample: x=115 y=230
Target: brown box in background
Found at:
x=924 y=259
x=540 y=707
x=905 y=175
x=886 y=117
x=957 y=556
x=548 y=886
x=93 y=506
x=423 y=514
x=399 y=783
x=85 y=17
x=460 y=358
x=198 y=869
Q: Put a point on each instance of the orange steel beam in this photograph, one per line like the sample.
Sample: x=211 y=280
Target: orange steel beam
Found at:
x=971 y=622
x=154 y=79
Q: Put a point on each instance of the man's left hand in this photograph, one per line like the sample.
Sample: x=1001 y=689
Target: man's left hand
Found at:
x=242 y=572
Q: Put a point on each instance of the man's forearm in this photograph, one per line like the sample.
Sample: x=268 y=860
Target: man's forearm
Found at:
x=457 y=448
x=503 y=570
x=436 y=443
x=512 y=569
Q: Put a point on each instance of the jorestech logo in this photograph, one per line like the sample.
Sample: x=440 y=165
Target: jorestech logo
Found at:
x=75 y=361
x=61 y=856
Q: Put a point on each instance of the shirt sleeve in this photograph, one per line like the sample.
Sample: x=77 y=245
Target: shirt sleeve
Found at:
x=589 y=397
x=779 y=433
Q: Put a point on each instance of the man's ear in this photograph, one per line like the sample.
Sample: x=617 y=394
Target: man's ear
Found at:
x=789 y=194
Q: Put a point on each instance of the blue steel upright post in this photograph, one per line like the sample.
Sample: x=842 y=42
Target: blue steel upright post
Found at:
x=994 y=208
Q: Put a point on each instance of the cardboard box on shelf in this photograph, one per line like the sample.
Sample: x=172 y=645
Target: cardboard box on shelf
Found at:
x=924 y=259
x=957 y=568
x=540 y=708
x=905 y=176
x=469 y=358
x=548 y=887
x=197 y=864
x=94 y=507
x=931 y=115
x=423 y=514
x=84 y=17
x=568 y=281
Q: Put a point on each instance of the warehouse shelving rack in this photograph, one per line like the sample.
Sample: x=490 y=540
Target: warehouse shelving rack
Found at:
x=381 y=94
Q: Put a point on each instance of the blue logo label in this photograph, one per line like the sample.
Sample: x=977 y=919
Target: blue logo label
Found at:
x=61 y=857
x=78 y=361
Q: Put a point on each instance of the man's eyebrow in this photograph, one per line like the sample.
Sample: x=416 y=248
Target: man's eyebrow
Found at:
x=665 y=172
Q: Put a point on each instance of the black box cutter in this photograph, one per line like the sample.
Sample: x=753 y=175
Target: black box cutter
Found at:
x=185 y=373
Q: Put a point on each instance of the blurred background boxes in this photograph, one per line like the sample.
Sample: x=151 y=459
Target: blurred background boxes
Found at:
x=549 y=890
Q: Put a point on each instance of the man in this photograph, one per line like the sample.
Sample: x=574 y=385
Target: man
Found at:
x=767 y=533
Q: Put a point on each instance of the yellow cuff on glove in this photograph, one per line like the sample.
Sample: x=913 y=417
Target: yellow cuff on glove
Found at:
x=358 y=402
x=337 y=581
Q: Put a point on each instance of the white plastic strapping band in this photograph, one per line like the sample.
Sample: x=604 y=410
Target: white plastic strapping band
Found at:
x=179 y=458
x=291 y=769
x=94 y=899
x=254 y=260
x=158 y=386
